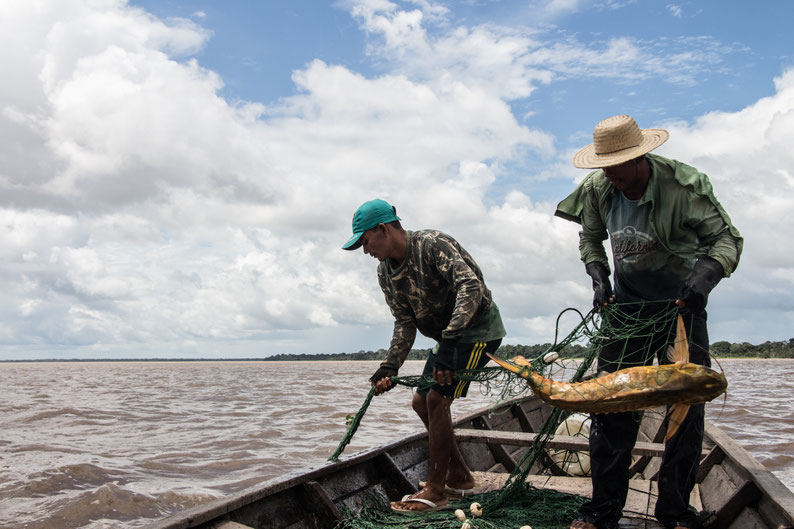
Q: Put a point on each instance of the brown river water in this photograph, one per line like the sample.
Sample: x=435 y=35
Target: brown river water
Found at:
x=118 y=445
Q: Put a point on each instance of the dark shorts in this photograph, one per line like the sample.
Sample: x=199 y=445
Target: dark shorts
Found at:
x=470 y=355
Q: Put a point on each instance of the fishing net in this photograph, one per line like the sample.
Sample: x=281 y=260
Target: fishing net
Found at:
x=625 y=335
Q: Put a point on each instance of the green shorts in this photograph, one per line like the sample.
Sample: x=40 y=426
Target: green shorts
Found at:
x=470 y=355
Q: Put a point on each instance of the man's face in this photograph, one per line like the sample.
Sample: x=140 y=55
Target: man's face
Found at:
x=622 y=176
x=631 y=178
x=376 y=243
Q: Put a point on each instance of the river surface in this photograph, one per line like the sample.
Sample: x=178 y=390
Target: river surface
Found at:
x=118 y=445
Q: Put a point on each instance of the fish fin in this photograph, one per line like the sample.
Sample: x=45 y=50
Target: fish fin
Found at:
x=510 y=366
x=671 y=354
x=680 y=352
x=678 y=413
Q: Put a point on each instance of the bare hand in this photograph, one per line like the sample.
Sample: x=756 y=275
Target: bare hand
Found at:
x=443 y=378
x=383 y=385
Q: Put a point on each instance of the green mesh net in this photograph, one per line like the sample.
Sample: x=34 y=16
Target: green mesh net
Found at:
x=626 y=335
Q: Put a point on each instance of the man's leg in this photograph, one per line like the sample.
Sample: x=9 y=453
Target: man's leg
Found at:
x=433 y=409
x=612 y=435
x=471 y=357
x=682 y=453
x=446 y=463
x=440 y=440
x=458 y=476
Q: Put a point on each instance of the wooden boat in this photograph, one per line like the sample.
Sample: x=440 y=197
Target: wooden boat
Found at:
x=733 y=484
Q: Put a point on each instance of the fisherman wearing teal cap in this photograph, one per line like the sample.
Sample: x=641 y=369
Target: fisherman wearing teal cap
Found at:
x=432 y=285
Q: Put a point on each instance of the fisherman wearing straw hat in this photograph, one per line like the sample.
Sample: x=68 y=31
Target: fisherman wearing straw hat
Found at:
x=434 y=286
x=671 y=240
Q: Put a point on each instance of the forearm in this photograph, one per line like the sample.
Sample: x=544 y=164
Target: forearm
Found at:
x=711 y=224
x=725 y=251
x=402 y=340
x=591 y=249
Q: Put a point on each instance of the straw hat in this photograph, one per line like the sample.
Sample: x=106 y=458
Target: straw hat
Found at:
x=616 y=140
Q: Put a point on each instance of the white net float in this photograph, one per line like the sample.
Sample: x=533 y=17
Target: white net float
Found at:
x=573 y=463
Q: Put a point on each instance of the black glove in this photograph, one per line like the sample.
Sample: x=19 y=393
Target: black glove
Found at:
x=705 y=276
x=602 y=288
x=382 y=372
x=445 y=356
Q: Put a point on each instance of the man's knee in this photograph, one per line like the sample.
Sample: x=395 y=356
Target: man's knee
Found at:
x=419 y=404
x=436 y=400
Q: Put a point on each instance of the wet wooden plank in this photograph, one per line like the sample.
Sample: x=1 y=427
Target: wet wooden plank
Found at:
x=777 y=503
x=544 y=460
x=500 y=453
x=321 y=504
x=232 y=525
x=395 y=476
x=748 y=519
x=714 y=457
x=558 y=441
x=747 y=494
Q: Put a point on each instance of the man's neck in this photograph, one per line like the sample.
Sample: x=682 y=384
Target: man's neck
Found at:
x=399 y=248
x=643 y=175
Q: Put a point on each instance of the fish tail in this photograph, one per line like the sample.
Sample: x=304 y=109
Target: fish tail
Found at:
x=680 y=351
x=678 y=413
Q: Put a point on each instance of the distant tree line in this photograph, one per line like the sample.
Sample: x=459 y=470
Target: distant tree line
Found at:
x=783 y=349
x=380 y=354
x=747 y=350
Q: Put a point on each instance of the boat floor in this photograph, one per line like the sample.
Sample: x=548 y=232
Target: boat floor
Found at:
x=637 y=514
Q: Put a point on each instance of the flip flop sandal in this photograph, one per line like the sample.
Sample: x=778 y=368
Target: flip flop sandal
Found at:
x=431 y=507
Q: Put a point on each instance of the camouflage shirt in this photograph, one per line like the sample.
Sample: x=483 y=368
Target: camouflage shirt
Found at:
x=438 y=289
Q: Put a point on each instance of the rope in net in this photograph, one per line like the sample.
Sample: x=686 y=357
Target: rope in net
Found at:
x=625 y=335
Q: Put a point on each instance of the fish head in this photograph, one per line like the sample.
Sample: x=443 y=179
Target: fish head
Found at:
x=518 y=364
x=710 y=383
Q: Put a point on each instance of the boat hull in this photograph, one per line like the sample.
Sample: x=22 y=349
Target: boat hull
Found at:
x=731 y=482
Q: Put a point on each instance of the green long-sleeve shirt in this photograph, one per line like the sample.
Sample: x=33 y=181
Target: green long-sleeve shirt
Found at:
x=688 y=219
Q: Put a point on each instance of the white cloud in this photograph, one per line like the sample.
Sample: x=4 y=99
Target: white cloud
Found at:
x=158 y=213
x=141 y=213
x=510 y=63
x=747 y=155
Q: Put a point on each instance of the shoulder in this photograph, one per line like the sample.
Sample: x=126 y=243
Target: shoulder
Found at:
x=429 y=238
x=597 y=184
x=673 y=174
x=597 y=189
x=435 y=246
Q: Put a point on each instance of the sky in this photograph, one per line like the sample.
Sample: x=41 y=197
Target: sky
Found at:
x=177 y=177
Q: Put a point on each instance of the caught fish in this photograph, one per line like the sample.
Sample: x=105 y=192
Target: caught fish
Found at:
x=679 y=385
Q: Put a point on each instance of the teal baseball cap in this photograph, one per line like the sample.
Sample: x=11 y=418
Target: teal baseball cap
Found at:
x=366 y=217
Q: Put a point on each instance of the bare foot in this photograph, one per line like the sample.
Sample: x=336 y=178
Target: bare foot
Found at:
x=461 y=485
x=579 y=524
